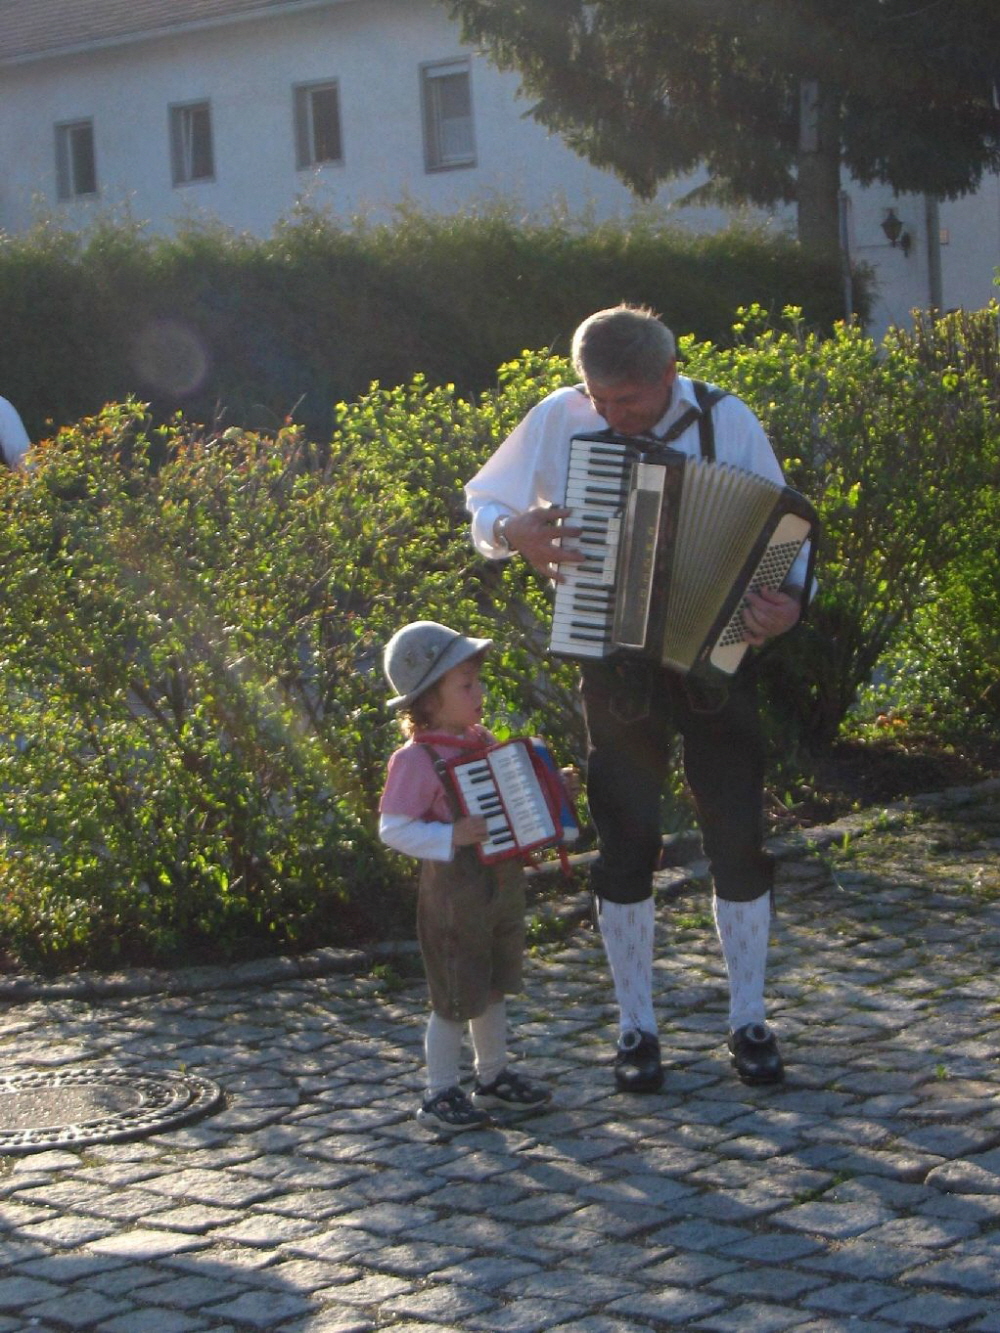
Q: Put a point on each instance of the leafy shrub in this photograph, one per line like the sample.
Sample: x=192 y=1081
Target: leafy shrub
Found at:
x=897 y=456
x=946 y=664
x=193 y=703
x=193 y=706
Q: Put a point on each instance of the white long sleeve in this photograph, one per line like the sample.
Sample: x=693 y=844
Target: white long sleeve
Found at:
x=14 y=441
x=424 y=839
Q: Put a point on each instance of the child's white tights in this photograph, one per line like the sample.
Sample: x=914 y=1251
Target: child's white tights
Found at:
x=443 y=1046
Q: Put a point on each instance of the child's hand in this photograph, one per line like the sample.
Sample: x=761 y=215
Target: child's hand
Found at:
x=468 y=830
x=571 y=781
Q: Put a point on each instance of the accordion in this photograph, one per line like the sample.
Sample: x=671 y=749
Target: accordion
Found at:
x=517 y=788
x=673 y=544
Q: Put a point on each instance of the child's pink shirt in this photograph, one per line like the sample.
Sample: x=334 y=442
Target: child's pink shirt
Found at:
x=412 y=787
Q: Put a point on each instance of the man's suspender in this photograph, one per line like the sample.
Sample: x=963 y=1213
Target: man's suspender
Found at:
x=707 y=396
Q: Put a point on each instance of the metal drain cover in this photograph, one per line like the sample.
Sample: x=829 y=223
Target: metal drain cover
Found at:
x=70 y=1108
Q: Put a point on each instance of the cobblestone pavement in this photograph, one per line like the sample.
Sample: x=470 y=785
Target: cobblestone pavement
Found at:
x=862 y=1196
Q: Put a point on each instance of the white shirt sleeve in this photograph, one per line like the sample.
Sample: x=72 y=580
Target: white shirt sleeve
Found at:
x=14 y=441
x=529 y=468
x=427 y=840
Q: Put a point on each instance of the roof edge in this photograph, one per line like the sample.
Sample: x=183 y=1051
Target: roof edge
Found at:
x=263 y=11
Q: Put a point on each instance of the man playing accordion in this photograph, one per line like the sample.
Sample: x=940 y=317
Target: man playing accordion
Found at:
x=635 y=709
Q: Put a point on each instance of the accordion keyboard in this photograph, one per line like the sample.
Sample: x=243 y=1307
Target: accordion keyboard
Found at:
x=503 y=789
x=596 y=491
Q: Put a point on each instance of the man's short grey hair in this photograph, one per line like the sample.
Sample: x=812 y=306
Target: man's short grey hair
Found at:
x=625 y=344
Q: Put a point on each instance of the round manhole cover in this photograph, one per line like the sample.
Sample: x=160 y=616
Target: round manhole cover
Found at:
x=73 y=1107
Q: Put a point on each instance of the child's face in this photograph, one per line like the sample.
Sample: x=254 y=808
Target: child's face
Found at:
x=459 y=699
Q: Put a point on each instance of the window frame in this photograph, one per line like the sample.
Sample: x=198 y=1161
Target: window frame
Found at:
x=437 y=156
x=304 y=120
x=183 y=155
x=68 y=173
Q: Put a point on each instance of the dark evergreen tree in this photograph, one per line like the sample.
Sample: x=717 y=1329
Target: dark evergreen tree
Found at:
x=770 y=97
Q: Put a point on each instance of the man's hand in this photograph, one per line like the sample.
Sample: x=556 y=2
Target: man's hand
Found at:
x=537 y=535
x=768 y=614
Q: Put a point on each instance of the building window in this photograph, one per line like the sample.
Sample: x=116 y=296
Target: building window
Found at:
x=447 y=101
x=76 y=168
x=317 y=125
x=191 y=156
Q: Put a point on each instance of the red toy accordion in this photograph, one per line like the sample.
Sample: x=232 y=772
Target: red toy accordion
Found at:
x=517 y=788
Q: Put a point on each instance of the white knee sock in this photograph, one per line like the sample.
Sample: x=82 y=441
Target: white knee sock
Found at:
x=743 y=930
x=627 y=930
x=443 y=1045
x=489 y=1041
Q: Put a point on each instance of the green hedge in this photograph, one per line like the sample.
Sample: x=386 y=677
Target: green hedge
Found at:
x=193 y=707
x=251 y=332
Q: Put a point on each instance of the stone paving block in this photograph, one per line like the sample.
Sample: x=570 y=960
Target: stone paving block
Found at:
x=143 y=1244
x=687 y=1270
x=191 y=1293
x=835 y=1220
x=774 y=1249
x=752 y=1318
x=667 y=1305
x=486 y=1272
x=524 y=1316
x=335 y=1320
x=265 y=1229
x=196 y=1218
x=67 y=1231
x=262 y=1309
x=200 y=1185
x=373 y=1289
x=17 y=1292
x=441 y=1305
x=845 y=1324
x=933 y=1310
x=388 y=1219
x=77 y=1309
x=853 y=1298
x=935 y=1233
x=773 y=1284
x=973 y=1275
x=419 y=1258
x=699 y=1235
x=152 y=1320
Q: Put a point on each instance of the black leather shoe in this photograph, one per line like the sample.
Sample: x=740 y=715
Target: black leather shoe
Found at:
x=637 y=1063
x=755 y=1054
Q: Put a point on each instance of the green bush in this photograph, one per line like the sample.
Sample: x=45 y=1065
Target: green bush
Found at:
x=193 y=704
x=898 y=455
x=193 y=701
x=945 y=670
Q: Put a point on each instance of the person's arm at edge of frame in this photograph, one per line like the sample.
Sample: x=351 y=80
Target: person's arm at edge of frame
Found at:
x=14 y=439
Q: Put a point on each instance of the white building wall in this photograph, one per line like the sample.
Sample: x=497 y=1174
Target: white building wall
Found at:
x=247 y=71
x=374 y=49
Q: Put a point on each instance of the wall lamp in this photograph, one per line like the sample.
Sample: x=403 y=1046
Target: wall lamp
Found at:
x=896 y=233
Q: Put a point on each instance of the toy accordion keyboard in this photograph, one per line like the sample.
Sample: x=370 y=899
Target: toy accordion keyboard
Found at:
x=673 y=545
x=515 y=786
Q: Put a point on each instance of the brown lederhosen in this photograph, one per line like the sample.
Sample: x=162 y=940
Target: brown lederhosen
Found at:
x=470 y=924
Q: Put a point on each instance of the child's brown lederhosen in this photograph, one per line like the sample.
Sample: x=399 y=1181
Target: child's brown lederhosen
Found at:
x=470 y=924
